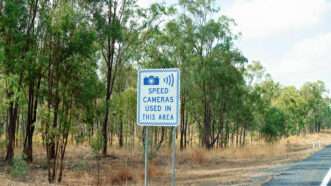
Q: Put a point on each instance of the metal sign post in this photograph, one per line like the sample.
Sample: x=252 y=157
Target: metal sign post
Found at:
x=146 y=156
x=158 y=101
x=173 y=160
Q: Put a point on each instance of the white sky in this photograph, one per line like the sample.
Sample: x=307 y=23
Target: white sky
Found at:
x=291 y=38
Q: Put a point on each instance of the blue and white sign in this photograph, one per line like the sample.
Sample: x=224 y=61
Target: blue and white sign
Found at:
x=158 y=97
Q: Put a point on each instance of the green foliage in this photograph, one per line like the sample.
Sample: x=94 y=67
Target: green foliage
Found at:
x=19 y=168
x=96 y=143
x=274 y=125
x=2 y=128
x=2 y=54
x=3 y=144
x=81 y=165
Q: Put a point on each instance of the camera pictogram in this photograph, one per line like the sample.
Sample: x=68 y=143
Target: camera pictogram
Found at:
x=151 y=80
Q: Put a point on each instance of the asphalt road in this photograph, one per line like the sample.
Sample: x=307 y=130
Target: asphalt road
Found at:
x=311 y=171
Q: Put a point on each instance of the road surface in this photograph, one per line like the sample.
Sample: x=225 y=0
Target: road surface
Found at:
x=315 y=170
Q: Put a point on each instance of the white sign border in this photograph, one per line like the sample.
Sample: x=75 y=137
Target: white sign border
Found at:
x=164 y=124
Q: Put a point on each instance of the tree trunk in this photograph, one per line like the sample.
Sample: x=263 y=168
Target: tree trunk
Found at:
x=121 y=134
x=105 y=122
x=105 y=128
x=182 y=124
x=109 y=60
x=185 y=129
x=11 y=130
x=31 y=119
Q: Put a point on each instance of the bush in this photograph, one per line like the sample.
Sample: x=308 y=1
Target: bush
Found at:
x=3 y=144
x=274 y=126
x=81 y=165
x=96 y=143
x=19 y=168
x=1 y=129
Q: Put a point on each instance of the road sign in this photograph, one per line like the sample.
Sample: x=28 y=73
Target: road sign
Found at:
x=158 y=97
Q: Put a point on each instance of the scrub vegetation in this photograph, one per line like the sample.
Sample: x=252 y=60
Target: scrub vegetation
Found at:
x=68 y=81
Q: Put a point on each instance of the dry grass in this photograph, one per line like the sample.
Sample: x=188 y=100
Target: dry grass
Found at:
x=154 y=171
x=324 y=138
x=199 y=156
x=253 y=151
x=123 y=176
x=194 y=156
x=257 y=151
x=194 y=166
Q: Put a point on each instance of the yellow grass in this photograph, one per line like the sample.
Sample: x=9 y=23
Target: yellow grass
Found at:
x=197 y=165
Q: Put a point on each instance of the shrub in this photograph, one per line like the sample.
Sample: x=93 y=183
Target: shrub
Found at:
x=3 y=144
x=274 y=126
x=81 y=165
x=19 y=168
x=96 y=143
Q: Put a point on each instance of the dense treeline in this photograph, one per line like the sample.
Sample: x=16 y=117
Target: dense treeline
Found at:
x=68 y=71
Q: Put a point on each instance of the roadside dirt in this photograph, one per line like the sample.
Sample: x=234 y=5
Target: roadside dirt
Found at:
x=250 y=165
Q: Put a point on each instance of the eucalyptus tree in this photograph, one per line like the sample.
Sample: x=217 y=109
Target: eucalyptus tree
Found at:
x=218 y=69
x=34 y=68
x=71 y=64
x=291 y=103
x=313 y=93
x=114 y=21
x=2 y=92
x=274 y=126
x=17 y=23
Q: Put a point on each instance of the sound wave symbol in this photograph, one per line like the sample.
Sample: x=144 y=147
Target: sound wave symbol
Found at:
x=169 y=80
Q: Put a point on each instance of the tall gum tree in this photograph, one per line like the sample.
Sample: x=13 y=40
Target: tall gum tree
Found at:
x=71 y=52
x=33 y=75
x=15 y=30
x=113 y=23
